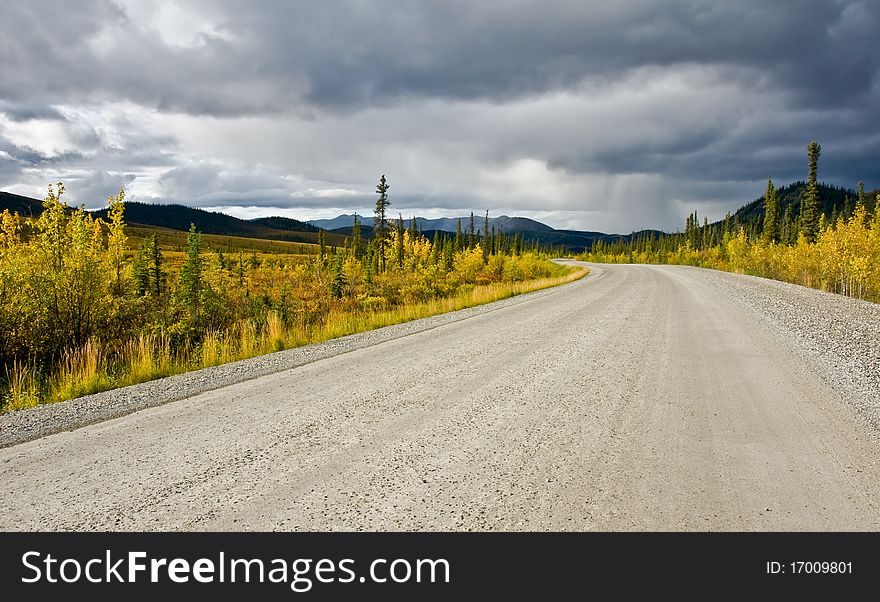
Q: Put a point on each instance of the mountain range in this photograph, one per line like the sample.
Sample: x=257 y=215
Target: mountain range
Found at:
x=444 y=224
x=179 y=217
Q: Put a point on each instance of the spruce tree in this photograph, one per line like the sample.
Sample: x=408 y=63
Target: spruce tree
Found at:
x=811 y=207
x=322 y=245
x=771 y=210
x=791 y=231
x=141 y=269
x=448 y=255
x=379 y=226
x=459 y=237
x=398 y=241
x=356 y=238
x=861 y=201
x=472 y=233
x=192 y=274
x=436 y=248
x=339 y=282
x=154 y=261
x=485 y=245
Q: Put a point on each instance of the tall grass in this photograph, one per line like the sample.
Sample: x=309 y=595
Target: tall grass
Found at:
x=93 y=368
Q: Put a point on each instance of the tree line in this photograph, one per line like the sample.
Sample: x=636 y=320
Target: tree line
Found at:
x=81 y=311
x=830 y=246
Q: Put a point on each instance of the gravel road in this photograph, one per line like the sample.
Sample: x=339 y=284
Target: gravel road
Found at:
x=638 y=398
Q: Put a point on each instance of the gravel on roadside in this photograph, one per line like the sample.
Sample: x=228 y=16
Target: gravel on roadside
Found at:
x=839 y=336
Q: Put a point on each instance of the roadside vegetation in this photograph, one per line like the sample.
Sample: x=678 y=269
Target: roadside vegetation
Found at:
x=831 y=248
x=81 y=311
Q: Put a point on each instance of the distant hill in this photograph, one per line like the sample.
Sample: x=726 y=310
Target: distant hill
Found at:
x=444 y=224
x=834 y=198
x=179 y=217
x=530 y=230
x=285 y=223
x=20 y=204
x=346 y=220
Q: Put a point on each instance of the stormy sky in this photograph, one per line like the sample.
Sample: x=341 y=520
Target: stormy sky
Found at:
x=591 y=115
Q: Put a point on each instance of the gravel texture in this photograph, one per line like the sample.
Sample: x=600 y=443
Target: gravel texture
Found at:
x=639 y=398
x=838 y=335
x=27 y=425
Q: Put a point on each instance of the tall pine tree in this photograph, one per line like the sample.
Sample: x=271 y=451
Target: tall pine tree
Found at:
x=771 y=213
x=811 y=206
x=485 y=245
x=380 y=227
x=399 y=250
x=192 y=275
x=356 y=238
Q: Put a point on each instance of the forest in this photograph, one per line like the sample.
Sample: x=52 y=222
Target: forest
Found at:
x=83 y=310
x=808 y=234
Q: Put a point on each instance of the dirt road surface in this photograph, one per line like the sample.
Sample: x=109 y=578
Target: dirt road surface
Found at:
x=639 y=398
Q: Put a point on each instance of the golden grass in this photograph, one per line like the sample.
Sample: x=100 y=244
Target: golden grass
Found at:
x=91 y=369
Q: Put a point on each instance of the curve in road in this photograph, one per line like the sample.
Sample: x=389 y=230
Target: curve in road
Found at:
x=636 y=399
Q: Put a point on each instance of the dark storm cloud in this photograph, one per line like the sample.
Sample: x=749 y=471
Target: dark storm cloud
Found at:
x=693 y=101
x=292 y=55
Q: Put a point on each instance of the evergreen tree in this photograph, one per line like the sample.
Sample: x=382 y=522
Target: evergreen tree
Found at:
x=322 y=245
x=727 y=226
x=141 y=269
x=485 y=245
x=449 y=254
x=379 y=227
x=771 y=208
x=339 y=282
x=459 y=237
x=192 y=274
x=437 y=248
x=356 y=239
x=472 y=234
x=399 y=250
x=811 y=207
x=791 y=233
